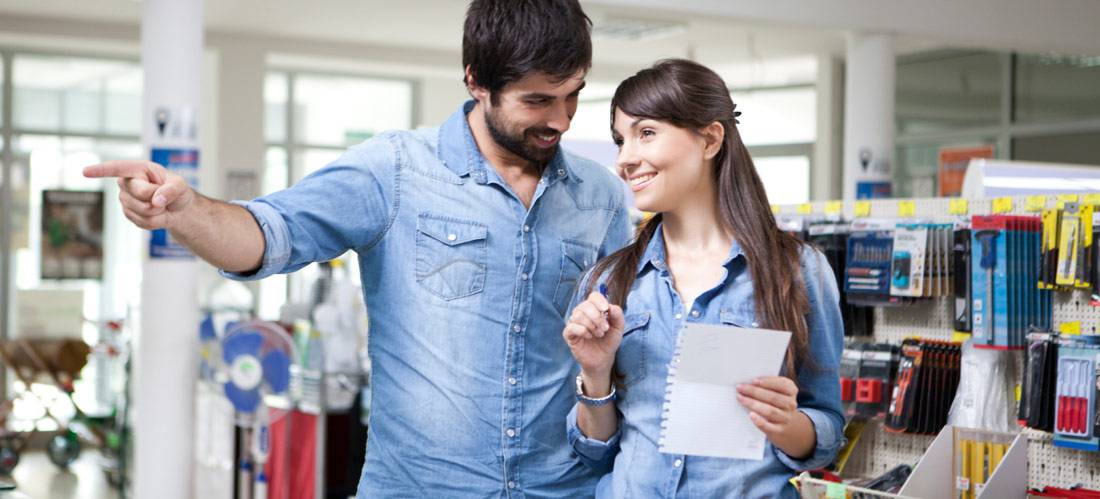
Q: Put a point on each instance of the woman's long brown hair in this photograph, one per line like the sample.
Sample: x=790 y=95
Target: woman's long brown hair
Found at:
x=691 y=96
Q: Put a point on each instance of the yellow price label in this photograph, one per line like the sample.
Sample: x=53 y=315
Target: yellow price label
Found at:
x=1019 y=392
x=805 y=209
x=1067 y=198
x=958 y=207
x=907 y=208
x=775 y=209
x=959 y=336
x=834 y=207
x=1002 y=205
x=1093 y=199
x=1036 y=203
x=863 y=208
x=1070 y=327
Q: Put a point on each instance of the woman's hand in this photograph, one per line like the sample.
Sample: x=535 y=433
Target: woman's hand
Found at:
x=593 y=334
x=772 y=403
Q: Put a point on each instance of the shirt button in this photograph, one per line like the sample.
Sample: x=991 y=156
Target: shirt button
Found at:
x=678 y=316
x=511 y=484
x=511 y=433
x=678 y=463
x=516 y=328
x=451 y=237
x=511 y=381
x=523 y=276
x=695 y=313
x=527 y=228
x=561 y=173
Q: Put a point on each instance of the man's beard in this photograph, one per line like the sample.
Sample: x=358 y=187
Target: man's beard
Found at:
x=519 y=145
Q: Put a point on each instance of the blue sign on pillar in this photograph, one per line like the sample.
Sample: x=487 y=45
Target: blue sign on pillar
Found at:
x=185 y=163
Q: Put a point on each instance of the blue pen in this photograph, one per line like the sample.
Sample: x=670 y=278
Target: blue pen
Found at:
x=603 y=291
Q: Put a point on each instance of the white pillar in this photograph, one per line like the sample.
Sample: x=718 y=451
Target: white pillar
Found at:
x=827 y=177
x=868 y=114
x=166 y=348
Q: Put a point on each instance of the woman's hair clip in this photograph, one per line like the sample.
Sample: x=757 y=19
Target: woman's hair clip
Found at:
x=736 y=114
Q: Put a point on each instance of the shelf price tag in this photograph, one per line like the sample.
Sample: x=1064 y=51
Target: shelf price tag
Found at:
x=863 y=208
x=836 y=491
x=1036 y=203
x=834 y=207
x=959 y=207
x=907 y=208
x=1002 y=205
x=1067 y=198
x=1070 y=327
x=805 y=209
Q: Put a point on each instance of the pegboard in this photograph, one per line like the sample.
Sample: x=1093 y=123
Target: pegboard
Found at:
x=878 y=450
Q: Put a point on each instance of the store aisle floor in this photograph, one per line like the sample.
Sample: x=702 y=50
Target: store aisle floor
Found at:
x=37 y=477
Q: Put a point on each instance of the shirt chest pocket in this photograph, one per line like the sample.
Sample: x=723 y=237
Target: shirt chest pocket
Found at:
x=450 y=256
x=575 y=257
x=630 y=361
x=741 y=318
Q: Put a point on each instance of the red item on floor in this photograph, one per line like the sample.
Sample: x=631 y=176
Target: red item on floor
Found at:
x=291 y=465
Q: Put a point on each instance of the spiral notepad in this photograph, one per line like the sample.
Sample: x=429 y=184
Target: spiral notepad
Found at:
x=702 y=416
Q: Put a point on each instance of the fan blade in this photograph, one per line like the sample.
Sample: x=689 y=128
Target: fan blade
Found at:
x=206 y=329
x=240 y=343
x=243 y=400
x=277 y=370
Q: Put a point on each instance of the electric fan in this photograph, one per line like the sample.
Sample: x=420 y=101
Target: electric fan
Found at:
x=257 y=357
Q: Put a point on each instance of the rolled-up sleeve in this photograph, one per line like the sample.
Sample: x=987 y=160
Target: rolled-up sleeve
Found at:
x=819 y=393
x=596 y=454
x=348 y=204
x=276 y=241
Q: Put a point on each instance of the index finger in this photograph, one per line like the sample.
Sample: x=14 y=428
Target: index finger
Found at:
x=599 y=301
x=122 y=169
x=779 y=384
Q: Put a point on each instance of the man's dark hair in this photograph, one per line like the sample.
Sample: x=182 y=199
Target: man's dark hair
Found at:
x=504 y=40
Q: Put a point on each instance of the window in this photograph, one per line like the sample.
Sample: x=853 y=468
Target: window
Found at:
x=957 y=98
x=69 y=112
x=777 y=116
x=779 y=126
x=310 y=120
x=786 y=178
x=1080 y=148
x=1052 y=88
x=948 y=90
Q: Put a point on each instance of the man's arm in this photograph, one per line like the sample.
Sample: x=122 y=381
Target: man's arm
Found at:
x=225 y=235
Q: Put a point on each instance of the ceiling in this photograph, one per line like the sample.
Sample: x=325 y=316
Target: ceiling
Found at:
x=771 y=42
x=406 y=24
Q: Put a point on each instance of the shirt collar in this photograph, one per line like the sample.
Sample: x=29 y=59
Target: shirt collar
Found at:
x=655 y=253
x=458 y=150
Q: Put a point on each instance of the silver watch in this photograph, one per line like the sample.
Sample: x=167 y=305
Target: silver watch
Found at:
x=586 y=400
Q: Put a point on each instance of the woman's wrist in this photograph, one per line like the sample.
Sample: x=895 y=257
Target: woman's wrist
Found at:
x=597 y=383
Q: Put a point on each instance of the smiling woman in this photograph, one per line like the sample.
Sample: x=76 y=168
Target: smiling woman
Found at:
x=712 y=247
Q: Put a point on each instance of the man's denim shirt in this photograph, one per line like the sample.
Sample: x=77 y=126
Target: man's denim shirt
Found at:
x=466 y=290
x=654 y=317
